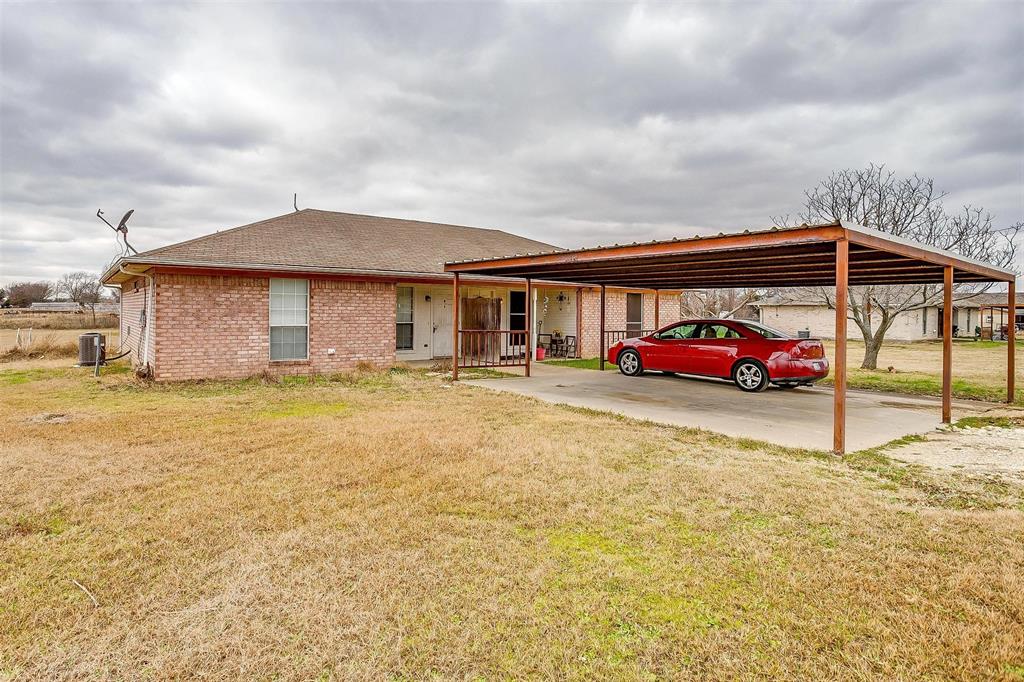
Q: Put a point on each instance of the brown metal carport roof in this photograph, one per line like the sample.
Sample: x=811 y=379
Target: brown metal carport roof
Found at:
x=779 y=257
x=835 y=254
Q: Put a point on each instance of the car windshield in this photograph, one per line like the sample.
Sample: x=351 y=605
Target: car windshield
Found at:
x=766 y=332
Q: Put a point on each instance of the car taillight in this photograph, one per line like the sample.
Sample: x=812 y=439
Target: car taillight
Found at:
x=811 y=350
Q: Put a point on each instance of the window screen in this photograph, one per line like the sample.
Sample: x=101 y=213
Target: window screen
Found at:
x=289 y=319
x=403 y=319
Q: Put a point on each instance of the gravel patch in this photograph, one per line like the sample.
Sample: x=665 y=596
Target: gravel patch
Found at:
x=985 y=450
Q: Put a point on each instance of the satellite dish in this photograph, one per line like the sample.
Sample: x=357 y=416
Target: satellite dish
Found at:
x=122 y=228
x=123 y=225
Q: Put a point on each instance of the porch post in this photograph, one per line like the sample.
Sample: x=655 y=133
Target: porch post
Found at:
x=839 y=386
x=657 y=309
x=947 y=344
x=1011 y=339
x=529 y=325
x=579 y=322
x=455 y=328
x=601 y=363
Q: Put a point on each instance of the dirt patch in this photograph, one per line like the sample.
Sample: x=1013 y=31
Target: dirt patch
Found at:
x=984 y=450
x=50 y=418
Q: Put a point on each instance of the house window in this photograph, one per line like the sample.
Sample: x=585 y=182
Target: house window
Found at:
x=289 y=319
x=517 y=316
x=403 y=319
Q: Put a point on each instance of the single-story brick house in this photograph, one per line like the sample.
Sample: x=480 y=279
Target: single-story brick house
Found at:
x=970 y=312
x=317 y=291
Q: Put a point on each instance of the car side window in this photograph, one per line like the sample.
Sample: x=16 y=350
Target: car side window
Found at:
x=681 y=331
x=719 y=331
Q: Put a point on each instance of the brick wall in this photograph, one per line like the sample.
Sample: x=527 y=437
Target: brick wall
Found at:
x=356 y=319
x=615 y=317
x=219 y=327
x=671 y=309
x=590 y=320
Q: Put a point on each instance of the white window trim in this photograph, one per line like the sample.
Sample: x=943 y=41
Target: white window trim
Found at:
x=412 y=322
x=271 y=326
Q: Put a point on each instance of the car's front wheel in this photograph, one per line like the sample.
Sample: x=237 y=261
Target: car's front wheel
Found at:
x=750 y=375
x=629 y=363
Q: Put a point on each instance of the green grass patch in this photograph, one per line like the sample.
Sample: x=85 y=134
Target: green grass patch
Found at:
x=922 y=384
x=304 y=408
x=979 y=422
x=578 y=363
x=14 y=377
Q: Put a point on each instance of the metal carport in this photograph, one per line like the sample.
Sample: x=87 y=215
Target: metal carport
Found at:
x=836 y=254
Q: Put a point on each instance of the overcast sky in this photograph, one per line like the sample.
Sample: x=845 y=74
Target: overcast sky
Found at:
x=573 y=124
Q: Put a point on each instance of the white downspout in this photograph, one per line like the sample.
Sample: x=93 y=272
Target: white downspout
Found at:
x=150 y=309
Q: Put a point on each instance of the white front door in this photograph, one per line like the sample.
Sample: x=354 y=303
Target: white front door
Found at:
x=441 y=318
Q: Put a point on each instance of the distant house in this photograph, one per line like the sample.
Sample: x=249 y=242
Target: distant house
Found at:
x=319 y=291
x=917 y=324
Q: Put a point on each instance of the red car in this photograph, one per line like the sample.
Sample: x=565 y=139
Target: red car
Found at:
x=750 y=354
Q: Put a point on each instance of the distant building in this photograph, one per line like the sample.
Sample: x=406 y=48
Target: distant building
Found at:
x=72 y=307
x=916 y=324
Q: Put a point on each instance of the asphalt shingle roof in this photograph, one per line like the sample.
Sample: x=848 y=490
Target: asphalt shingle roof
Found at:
x=312 y=238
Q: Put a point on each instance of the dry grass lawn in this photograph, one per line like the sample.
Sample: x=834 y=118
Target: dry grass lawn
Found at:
x=979 y=368
x=392 y=526
x=51 y=342
x=14 y=319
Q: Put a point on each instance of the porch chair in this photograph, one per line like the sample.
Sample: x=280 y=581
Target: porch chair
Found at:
x=568 y=348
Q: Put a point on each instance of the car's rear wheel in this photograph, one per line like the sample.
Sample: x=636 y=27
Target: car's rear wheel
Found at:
x=750 y=376
x=630 y=364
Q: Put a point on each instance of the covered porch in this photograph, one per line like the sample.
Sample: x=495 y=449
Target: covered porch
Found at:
x=507 y=331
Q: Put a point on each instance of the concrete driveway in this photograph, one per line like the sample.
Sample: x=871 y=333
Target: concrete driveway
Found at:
x=795 y=418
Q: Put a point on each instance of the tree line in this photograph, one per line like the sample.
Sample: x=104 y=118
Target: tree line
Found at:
x=79 y=287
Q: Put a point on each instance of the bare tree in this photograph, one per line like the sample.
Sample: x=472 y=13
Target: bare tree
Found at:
x=23 y=294
x=715 y=303
x=83 y=288
x=911 y=208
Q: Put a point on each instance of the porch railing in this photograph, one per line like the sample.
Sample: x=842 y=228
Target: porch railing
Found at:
x=611 y=336
x=492 y=348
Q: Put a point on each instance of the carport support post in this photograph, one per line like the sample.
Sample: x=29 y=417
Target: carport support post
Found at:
x=529 y=325
x=657 y=308
x=601 y=363
x=1011 y=338
x=947 y=344
x=839 y=386
x=455 y=328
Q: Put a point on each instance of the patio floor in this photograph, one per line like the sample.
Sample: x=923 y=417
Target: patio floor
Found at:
x=794 y=418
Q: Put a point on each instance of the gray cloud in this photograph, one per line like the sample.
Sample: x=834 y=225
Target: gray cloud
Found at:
x=571 y=123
